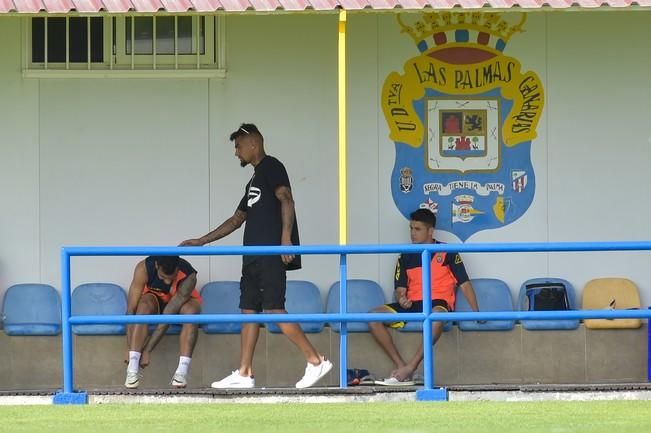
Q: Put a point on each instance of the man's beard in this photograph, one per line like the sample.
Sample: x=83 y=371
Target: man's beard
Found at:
x=243 y=163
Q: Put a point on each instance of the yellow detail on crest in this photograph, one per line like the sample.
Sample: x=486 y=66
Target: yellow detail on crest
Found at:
x=501 y=72
x=457 y=259
x=498 y=208
x=488 y=32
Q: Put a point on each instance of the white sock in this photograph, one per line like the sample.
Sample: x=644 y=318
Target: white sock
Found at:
x=134 y=362
x=184 y=365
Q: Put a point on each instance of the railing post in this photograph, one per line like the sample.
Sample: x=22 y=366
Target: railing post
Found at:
x=68 y=395
x=343 y=328
x=426 y=261
x=428 y=393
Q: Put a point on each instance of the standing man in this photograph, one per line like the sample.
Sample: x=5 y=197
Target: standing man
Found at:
x=268 y=209
x=161 y=285
x=447 y=272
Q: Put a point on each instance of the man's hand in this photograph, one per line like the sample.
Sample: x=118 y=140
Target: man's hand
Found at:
x=191 y=243
x=404 y=302
x=287 y=258
x=401 y=298
x=145 y=358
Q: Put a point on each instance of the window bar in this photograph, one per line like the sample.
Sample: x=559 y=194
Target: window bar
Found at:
x=176 y=42
x=67 y=43
x=133 y=41
x=112 y=42
x=220 y=46
x=153 y=37
x=28 y=43
x=88 y=41
x=216 y=36
x=196 y=42
x=46 y=41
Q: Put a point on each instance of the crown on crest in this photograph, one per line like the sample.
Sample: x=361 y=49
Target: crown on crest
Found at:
x=437 y=29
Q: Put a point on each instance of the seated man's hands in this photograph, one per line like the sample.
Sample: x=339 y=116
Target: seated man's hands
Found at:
x=404 y=302
x=401 y=297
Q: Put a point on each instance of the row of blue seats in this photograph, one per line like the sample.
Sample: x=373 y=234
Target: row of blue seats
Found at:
x=34 y=309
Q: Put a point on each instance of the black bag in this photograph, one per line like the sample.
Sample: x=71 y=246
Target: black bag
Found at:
x=547 y=297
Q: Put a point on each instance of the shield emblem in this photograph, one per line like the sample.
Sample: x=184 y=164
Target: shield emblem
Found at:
x=462 y=117
x=519 y=180
x=463 y=134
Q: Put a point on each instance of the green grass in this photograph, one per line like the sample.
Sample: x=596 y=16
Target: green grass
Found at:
x=480 y=417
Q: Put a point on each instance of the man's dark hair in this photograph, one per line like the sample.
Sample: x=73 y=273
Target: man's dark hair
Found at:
x=425 y=216
x=247 y=129
x=168 y=264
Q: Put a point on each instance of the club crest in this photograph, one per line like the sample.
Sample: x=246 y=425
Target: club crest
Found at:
x=462 y=117
x=406 y=180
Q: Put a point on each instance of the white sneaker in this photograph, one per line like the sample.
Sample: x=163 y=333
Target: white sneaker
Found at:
x=234 y=380
x=313 y=373
x=394 y=381
x=179 y=381
x=133 y=379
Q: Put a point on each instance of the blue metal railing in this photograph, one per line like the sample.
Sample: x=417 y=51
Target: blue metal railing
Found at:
x=427 y=317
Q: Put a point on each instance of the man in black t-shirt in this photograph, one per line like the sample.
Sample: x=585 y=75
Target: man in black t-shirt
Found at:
x=268 y=209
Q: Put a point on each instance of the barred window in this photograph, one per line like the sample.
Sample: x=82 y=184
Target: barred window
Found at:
x=68 y=40
x=142 y=44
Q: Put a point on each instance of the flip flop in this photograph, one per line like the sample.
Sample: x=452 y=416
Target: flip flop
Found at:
x=393 y=381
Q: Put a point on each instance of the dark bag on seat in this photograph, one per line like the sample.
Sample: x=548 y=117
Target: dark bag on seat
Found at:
x=547 y=297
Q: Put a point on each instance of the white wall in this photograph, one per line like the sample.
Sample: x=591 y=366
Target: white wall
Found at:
x=122 y=163
x=148 y=162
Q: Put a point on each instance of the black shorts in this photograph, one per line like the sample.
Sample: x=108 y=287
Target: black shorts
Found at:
x=263 y=284
x=416 y=307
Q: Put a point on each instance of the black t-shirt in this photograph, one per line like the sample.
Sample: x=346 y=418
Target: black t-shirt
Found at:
x=156 y=284
x=264 y=223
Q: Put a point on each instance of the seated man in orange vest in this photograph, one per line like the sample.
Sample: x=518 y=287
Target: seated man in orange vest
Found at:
x=161 y=285
x=447 y=272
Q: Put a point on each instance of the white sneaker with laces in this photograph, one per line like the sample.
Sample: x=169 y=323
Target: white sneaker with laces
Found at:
x=133 y=379
x=179 y=381
x=234 y=380
x=313 y=373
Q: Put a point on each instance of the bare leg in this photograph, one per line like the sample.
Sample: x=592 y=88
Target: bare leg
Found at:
x=248 y=340
x=383 y=337
x=189 y=331
x=137 y=334
x=405 y=372
x=296 y=335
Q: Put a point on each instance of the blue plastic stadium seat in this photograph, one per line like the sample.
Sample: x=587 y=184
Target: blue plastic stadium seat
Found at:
x=547 y=324
x=99 y=299
x=492 y=295
x=221 y=297
x=302 y=297
x=363 y=296
x=31 y=309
